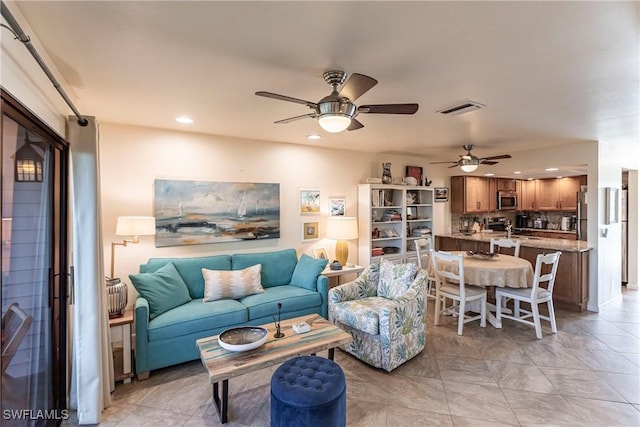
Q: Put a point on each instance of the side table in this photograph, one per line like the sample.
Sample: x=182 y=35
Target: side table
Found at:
x=121 y=334
x=337 y=274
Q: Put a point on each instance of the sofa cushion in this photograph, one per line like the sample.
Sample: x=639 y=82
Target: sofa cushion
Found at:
x=361 y=314
x=292 y=298
x=306 y=273
x=190 y=269
x=231 y=284
x=395 y=279
x=163 y=289
x=277 y=267
x=197 y=316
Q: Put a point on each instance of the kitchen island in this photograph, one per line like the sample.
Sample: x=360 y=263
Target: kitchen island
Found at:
x=572 y=279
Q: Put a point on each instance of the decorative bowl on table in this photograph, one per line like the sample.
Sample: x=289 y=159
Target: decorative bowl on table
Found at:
x=244 y=338
x=482 y=255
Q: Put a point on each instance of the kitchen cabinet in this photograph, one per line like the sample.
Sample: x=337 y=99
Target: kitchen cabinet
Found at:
x=559 y=194
x=546 y=194
x=470 y=194
x=567 y=193
x=503 y=184
x=572 y=278
x=390 y=219
x=527 y=199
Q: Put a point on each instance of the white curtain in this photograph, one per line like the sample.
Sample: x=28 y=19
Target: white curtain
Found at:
x=92 y=361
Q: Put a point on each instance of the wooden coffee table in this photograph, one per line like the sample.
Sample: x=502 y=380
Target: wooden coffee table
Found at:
x=221 y=364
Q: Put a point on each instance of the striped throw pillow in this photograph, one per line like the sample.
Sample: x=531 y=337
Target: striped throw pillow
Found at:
x=231 y=284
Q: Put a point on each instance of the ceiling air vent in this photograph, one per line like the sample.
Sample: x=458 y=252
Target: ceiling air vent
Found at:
x=461 y=108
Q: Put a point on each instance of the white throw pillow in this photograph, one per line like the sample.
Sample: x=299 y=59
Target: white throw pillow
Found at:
x=231 y=284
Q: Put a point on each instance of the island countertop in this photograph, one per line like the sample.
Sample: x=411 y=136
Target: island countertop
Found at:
x=528 y=241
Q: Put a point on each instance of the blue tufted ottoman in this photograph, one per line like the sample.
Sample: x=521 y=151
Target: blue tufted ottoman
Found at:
x=308 y=391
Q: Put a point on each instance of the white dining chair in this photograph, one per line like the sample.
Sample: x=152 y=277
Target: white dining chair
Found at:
x=424 y=253
x=451 y=285
x=534 y=295
x=497 y=244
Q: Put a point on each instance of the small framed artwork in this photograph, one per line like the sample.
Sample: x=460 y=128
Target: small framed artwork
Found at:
x=414 y=172
x=320 y=253
x=441 y=194
x=310 y=231
x=309 y=202
x=337 y=205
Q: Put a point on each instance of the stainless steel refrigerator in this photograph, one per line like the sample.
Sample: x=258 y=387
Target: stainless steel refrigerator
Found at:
x=581 y=221
x=625 y=235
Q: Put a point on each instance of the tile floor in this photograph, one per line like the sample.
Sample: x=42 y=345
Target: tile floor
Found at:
x=588 y=375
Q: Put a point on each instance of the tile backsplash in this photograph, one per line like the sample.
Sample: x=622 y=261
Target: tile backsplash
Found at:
x=553 y=218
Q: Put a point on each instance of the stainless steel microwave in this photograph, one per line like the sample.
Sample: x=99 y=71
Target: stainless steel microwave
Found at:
x=507 y=201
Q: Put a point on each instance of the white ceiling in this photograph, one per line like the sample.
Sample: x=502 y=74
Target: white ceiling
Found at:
x=549 y=72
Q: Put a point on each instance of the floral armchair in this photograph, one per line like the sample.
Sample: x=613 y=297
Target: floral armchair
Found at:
x=383 y=310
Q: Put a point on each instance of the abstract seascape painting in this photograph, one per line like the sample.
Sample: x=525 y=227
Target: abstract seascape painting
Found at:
x=202 y=212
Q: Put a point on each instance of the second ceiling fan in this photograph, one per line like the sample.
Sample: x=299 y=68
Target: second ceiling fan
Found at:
x=336 y=112
x=468 y=162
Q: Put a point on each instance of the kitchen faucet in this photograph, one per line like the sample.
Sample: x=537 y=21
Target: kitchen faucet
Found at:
x=509 y=227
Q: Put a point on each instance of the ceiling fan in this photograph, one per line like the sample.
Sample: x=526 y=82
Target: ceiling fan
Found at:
x=336 y=112
x=468 y=162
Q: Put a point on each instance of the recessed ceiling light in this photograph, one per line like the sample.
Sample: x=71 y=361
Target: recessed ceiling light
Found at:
x=551 y=169
x=184 y=119
x=314 y=136
x=489 y=174
x=517 y=172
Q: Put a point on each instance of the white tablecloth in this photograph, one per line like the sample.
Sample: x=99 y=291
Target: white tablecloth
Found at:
x=502 y=271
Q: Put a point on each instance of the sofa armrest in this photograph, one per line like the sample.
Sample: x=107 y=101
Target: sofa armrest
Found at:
x=366 y=285
x=141 y=314
x=322 y=286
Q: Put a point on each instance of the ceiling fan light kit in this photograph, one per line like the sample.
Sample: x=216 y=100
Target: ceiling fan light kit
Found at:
x=336 y=111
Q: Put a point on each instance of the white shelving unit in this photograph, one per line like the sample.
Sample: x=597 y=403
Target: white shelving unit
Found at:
x=390 y=219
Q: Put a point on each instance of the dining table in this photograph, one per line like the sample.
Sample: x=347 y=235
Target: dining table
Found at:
x=481 y=269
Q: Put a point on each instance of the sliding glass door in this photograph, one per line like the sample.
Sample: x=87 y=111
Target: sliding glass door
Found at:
x=34 y=269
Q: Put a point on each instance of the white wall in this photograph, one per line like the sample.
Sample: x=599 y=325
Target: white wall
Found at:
x=131 y=158
x=22 y=77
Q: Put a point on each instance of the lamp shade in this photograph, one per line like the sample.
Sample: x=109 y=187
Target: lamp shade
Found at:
x=136 y=226
x=342 y=228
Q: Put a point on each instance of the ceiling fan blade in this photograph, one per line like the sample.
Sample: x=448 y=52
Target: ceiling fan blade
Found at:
x=437 y=163
x=388 y=109
x=488 y=163
x=503 y=156
x=293 y=119
x=454 y=166
x=355 y=125
x=287 y=98
x=356 y=86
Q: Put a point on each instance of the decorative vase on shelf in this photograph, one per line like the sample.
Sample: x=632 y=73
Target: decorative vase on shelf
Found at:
x=386 y=173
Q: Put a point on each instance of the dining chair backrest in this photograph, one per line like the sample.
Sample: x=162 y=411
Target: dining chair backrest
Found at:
x=497 y=244
x=443 y=275
x=15 y=323
x=423 y=248
x=544 y=261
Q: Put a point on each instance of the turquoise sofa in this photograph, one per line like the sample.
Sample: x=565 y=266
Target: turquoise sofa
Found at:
x=170 y=337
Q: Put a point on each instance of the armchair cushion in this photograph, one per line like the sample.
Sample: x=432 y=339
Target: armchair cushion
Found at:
x=361 y=314
x=395 y=279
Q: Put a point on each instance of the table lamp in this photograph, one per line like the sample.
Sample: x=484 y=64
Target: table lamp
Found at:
x=134 y=226
x=342 y=228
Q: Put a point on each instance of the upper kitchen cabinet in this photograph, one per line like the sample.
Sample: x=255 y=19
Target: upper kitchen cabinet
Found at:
x=470 y=194
x=527 y=200
x=557 y=194
x=503 y=184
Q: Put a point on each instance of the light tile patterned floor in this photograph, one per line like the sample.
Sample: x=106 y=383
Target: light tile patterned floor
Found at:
x=588 y=374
